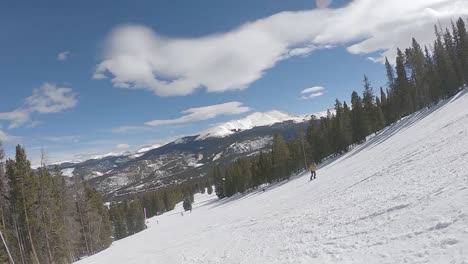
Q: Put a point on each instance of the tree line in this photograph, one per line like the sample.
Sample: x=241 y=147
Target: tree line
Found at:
x=419 y=78
x=44 y=221
x=128 y=216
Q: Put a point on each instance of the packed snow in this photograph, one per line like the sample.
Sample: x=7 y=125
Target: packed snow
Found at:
x=401 y=197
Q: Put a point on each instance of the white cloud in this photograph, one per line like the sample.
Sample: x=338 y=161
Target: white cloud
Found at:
x=122 y=146
x=312 y=90
x=126 y=129
x=4 y=137
x=203 y=113
x=47 y=99
x=16 y=118
x=312 y=95
x=64 y=55
x=62 y=139
x=138 y=58
x=51 y=99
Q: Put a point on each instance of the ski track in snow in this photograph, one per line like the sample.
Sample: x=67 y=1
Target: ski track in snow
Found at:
x=401 y=197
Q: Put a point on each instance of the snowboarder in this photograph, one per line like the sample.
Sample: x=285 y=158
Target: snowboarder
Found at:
x=313 y=168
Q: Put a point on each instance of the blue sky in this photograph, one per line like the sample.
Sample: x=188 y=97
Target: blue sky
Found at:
x=90 y=77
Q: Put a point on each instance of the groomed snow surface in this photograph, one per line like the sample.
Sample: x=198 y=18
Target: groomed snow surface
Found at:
x=401 y=197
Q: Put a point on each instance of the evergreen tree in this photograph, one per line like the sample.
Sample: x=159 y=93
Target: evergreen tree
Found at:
x=462 y=48
x=295 y=150
x=280 y=157
x=23 y=197
x=209 y=189
x=347 y=126
x=360 y=123
x=219 y=182
x=390 y=77
x=452 y=56
x=444 y=66
x=187 y=204
x=5 y=228
x=117 y=216
x=403 y=98
x=369 y=105
x=431 y=77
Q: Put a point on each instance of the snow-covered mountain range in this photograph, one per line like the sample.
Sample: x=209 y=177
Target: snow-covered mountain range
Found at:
x=255 y=120
x=151 y=167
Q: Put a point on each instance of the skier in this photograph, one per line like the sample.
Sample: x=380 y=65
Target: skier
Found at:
x=313 y=168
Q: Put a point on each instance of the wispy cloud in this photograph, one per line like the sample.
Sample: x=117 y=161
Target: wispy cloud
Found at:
x=63 y=56
x=312 y=95
x=130 y=129
x=312 y=92
x=203 y=113
x=16 y=117
x=122 y=146
x=4 y=137
x=62 y=139
x=136 y=57
x=48 y=98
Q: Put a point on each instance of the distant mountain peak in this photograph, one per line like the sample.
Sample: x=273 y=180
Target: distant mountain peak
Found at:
x=256 y=119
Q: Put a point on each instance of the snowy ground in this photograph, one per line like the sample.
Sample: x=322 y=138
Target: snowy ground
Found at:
x=402 y=197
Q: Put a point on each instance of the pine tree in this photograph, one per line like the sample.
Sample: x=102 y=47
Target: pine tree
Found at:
x=444 y=66
x=96 y=230
x=50 y=218
x=416 y=64
x=117 y=216
x=347 y=126
x=452 y=57
x=432 y=77
x=390 y=77
x=265 y=168
x=339 y=132
x=295 y=150
x=23 y=197
x=369 y=105
x=360 y=123
x=219 y=182
x=280 y=157
x=462 y=48
x=5 y=245
x=209 y=189
x=135 y=217
x=403 y=98
x=313 y=137
x=187 y=204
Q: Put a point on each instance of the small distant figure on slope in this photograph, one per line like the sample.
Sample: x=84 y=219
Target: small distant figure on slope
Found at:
x=313 y=168
x=187 y=204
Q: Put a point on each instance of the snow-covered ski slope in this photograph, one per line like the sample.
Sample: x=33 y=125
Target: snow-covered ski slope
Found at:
x=402 y=197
